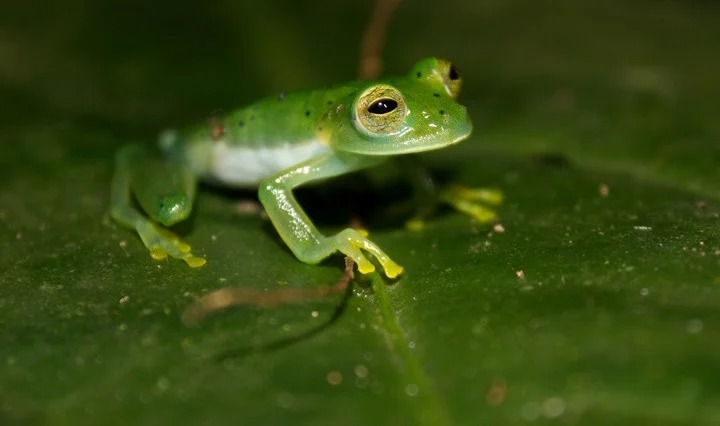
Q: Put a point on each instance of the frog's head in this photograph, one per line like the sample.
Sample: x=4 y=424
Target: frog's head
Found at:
x=414 y=113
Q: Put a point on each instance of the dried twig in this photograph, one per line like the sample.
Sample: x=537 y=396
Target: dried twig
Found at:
x=227 y=297
x=374 y=39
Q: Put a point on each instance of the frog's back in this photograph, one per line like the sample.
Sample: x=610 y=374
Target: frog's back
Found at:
x=281 y=119
x=271 y=135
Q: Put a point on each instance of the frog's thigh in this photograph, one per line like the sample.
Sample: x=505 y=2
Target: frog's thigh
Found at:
x=165 y=192
x=164 y=189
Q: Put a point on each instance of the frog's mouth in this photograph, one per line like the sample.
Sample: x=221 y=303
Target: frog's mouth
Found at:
x=443 y=137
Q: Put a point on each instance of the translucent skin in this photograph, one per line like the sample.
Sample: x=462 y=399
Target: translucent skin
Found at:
x=285 y=141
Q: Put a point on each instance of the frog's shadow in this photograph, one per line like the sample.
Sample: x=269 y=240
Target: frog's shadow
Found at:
x=350 y=200
x=358 y=200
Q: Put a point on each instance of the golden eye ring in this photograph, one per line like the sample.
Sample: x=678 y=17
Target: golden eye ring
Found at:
x=380 y=110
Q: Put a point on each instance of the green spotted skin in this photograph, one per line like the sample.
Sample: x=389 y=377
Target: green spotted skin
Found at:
x=270 y=121
x=284 y=141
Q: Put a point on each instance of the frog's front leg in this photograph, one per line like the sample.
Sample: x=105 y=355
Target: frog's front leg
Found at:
x=473 y=202
x=296 y=229
x=164 y=190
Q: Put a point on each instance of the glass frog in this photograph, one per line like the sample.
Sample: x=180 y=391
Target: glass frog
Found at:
x=282 y=142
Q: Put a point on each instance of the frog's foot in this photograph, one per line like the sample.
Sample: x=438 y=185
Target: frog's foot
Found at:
x=417 y=222
x=162 y=243
x=353 y=242
x=473 y=201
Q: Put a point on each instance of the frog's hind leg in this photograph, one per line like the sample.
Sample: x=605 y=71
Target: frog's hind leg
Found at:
x=164 y=190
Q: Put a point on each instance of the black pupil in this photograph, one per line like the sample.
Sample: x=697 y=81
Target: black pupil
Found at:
x=453 y=73
x=382 y=106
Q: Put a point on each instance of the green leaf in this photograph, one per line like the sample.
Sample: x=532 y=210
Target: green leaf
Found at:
x=596 y=302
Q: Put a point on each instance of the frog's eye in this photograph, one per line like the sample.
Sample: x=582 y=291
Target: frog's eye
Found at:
x=453 y=73
x=380 y=110
x=382 y=106
x=451 y=78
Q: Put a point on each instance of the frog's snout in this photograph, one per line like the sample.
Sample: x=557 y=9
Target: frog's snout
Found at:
x=465 y=127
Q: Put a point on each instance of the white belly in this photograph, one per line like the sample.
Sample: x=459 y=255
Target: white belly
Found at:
x=247 y=166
